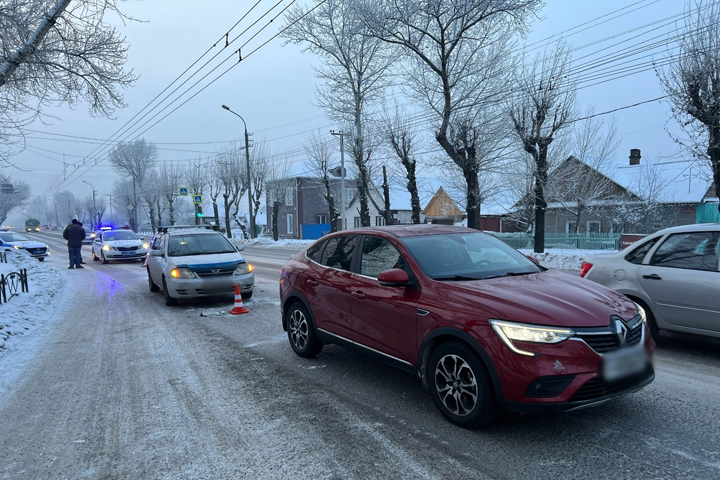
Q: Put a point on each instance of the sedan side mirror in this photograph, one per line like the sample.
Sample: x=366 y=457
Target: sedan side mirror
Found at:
x=240 y=248
x=155 y=253
x=395 y=277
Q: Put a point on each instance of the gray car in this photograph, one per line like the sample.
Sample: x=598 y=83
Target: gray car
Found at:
x=673 y=274
x=190 y=262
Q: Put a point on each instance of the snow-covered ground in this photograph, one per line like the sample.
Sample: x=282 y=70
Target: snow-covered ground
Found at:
x=27 y=312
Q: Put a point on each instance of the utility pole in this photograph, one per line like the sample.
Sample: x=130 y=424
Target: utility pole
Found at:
x=342 y=176
x=251 y=217
x=97 y=214
x=57 y=219
x=108 y=195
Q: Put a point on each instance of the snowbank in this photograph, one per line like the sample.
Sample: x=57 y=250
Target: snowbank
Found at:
x=269 y=242
x=564 y=259
x=26 y=312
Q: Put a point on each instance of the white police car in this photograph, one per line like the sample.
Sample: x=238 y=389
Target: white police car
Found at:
x=19 y=243
x=118 y=244
x=190 y=262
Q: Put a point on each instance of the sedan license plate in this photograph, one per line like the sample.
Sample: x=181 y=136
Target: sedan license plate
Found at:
x=128 y=253
x=624 y=363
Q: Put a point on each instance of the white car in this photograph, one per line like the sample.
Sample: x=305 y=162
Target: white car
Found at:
x=118 y=245
x=673 y=274
x=191 y=262
x=17 y=242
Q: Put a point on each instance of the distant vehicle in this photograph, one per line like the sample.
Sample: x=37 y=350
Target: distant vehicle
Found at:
x=89 y=236
x=190 y=262
x=112 y=244
x=32 y=225
x=17 y=242
x=673 y=274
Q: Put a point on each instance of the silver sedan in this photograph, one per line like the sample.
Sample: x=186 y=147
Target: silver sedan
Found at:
x=673 y=274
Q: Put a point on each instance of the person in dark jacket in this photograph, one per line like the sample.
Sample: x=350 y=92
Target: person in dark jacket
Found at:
x=74 y=234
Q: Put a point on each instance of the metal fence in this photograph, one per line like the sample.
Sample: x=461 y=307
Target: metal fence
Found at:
x=12 y=284
x=580 y=241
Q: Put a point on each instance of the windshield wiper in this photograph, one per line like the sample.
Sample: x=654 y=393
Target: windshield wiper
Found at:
x=508 y=274
x=455 y=277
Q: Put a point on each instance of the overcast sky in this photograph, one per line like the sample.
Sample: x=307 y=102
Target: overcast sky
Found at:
x=273 y=89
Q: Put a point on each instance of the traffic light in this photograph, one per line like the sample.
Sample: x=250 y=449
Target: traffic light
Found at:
x=199 y=214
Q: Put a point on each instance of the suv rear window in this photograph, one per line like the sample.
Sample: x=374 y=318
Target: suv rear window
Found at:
x=182 y=245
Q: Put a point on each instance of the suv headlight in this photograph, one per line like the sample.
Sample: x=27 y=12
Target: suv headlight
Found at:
x=509 y=331
x=641 y=311
x=182 y=273
x=243 y=269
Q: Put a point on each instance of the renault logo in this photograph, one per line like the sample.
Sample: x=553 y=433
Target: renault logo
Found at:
x=621 y=332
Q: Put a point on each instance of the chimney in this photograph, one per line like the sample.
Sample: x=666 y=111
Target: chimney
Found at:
x=635 y=156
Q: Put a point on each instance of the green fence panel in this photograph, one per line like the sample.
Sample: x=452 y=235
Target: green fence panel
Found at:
x=592 y=241
x=707 y=213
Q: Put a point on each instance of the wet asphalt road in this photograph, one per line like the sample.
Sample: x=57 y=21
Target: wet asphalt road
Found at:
x=122 y=386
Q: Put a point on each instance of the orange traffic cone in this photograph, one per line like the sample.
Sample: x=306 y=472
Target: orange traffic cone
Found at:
x=238 y=308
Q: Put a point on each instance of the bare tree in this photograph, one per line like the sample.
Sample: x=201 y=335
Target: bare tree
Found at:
x=574 y=184
x=643 y=209
x=544 y=103
x=692 y=83
x=458 y=55
x=15 y=195
x=355 y=74
x=231 y=171
x=151 y=195
x=54 y=52
x=134 y=159
x=319 y=160
x=402 y=137
x=123 y=197
x=169 y=184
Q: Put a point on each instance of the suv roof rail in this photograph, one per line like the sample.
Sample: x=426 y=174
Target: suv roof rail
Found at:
x=164 y=229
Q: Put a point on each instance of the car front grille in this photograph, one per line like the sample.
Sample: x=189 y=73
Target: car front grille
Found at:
x=215 y=272
x=605 y=340
x=127 y=249
x=598 y=388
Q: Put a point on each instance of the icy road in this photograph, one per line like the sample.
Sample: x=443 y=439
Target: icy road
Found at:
x=118 y=385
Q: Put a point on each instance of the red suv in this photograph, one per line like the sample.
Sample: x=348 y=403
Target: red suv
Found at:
x=481 y=324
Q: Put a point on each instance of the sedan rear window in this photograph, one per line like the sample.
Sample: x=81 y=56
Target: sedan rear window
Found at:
x=182 y=245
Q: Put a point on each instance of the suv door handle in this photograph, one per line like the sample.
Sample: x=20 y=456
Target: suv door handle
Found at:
x=654 y=276
x=358 y=294
x=312 y=282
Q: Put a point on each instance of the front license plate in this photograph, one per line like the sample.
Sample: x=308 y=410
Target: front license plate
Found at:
x=624 y=363
x=128 y=253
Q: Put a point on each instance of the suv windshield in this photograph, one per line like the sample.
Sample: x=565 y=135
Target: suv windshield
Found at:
x=120 y=235
x=468 y=256
x=181 y=245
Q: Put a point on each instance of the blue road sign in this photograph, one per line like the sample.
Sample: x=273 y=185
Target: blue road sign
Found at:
x=197 y=199
x=183 y=191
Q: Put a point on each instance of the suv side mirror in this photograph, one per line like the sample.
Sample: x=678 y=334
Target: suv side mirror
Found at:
x=394 y=277
x=155 y=253
x=240 y=248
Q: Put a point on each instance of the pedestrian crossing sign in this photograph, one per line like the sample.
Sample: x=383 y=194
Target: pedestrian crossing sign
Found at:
x=197 y=199
x=183 y=191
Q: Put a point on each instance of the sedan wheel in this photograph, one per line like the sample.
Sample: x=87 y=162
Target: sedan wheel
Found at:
x=104 y=260
x=460 y=386
x=169 y=301
x=151 y=284
x=94 y=257
x=301 y=332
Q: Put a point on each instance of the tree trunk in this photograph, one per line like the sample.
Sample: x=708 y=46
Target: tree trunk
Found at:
x=216 y=212
x=714 y=153
x=332 y=212
x=159 y=213
x=275 y=213
x=171 y=208
x=386 y=197
x=412 y=188
x=26 y=51
x=540 y=202
x=151 y=211
x=227 y=204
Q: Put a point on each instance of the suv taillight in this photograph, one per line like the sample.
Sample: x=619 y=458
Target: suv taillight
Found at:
x=585 y=268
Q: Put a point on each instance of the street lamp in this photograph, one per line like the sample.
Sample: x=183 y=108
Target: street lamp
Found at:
x=97 y=214
x=247 y=166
